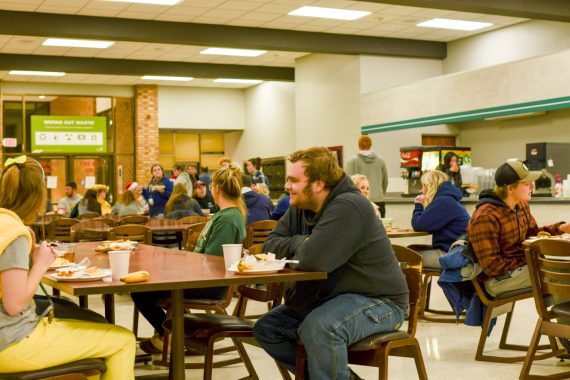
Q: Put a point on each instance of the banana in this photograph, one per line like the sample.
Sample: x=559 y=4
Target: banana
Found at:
x=139 y=276
x=243 y=266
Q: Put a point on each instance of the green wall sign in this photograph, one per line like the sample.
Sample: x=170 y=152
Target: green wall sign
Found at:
x=69 y=134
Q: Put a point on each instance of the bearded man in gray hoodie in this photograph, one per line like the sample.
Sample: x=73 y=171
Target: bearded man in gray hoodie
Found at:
x=368 y=163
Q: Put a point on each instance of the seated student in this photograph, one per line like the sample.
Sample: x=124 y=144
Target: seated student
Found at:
x=227 y=226
x=180 y=204
x=128 y=205
x=501 y=223
x=281 y=208
x=438 y=211
x=66 y=204
x=27 y=342
x=204 y=197
x=362 y=184
x=331 y=227
x=88 y=204
x=102 y=191
x=259 y=206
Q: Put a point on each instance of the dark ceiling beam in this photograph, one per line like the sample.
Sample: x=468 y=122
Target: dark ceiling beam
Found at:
x=552 y=10
x=81 y=65
x=181 y=33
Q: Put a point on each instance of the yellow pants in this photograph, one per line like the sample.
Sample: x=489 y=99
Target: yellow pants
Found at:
x=65 y=340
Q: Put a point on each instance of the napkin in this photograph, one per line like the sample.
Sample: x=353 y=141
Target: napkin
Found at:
x=133 y=277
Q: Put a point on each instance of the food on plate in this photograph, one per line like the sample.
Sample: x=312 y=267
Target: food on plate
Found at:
x=139 y=276
x=543 y=234
x=262 y=256
x=243 y=266
x=91 y=270
x=59 y=262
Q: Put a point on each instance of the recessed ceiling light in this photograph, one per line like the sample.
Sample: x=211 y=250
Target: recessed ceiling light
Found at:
x=77 y=43
x=233 y=52
x=41 y=97
x=160 y=77
x=337 y=14
x=241 y=81
x=39 y=73
x=444 y=23
x=156 y=2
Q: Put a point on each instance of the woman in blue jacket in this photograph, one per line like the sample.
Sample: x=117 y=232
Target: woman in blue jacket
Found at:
x=158 y=191
x=438 y=211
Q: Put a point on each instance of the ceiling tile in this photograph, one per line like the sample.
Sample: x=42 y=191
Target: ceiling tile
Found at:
x=239 y=5
x=13 y=6
x=260 y=16
x=400 y=10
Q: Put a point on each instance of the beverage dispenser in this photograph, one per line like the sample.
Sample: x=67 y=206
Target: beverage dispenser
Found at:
x=411 y=165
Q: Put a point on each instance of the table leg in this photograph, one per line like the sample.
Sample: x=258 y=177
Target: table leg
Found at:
x=83 y=302
x=109 y=301
x=177 y=369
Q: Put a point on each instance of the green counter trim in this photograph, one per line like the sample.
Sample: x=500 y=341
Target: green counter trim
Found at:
x=513 y=109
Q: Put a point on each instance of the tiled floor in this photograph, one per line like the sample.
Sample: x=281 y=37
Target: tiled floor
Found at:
x=448 y=349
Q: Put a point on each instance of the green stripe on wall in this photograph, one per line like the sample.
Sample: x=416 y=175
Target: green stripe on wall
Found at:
x=513 y=109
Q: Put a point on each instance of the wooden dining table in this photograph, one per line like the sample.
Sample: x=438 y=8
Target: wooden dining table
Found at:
x=404 y=233
x=172 y=270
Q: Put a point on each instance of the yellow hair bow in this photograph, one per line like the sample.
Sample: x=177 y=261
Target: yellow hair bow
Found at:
x=16 y=160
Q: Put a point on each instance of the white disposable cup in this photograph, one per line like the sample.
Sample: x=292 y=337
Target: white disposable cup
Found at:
x=119 y=261
x=387 y=222
x=232 y=254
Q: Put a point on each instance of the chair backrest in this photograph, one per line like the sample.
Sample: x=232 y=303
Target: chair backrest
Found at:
x=134 y=232
x=411 y=263
x=548 y=263
x=60 y=229
x=133 y=219
x=109 y=221
x=192 y=235
x=88 y=215
x=89 y=230
x=258 y=232
x=193 y=219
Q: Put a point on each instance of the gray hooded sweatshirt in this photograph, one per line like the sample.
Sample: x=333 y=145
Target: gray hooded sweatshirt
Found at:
x=374 y=168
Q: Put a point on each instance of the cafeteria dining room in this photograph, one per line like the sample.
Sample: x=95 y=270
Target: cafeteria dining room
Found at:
x=99 y=91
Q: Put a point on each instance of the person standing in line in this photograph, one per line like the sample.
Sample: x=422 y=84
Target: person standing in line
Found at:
x=158 y=191
x=66 y=204
x=330 y=227
x=368 y=163
x=179 y=175
x=192 y=171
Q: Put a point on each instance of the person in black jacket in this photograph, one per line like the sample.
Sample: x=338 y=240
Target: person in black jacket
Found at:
x=204 y=197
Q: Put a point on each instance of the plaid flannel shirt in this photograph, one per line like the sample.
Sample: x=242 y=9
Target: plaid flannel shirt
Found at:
x=497 y=232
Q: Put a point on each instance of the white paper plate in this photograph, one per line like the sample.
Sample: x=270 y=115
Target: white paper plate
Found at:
x=254 y=271
x=82 y=276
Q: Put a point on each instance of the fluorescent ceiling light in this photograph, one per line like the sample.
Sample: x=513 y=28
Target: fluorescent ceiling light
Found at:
x=77 y=43
x=39 y=73
x=233 y=52
x=160 y=77
x=444 y=23
x=337 y=14
x=156 y=2
x=242 y=81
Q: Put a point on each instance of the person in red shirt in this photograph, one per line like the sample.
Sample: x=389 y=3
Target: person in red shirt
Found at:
x=501 y=223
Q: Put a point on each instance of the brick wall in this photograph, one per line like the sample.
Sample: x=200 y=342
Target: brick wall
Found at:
x=146 y=127
x=1 y=125
x=72 y=106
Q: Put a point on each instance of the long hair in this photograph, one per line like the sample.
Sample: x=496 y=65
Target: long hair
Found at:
x=90 y=201
x=22 y=189
x=128 y=198
x=228 y=181
x=447 y=160
x=432 y=181
x=179 y=190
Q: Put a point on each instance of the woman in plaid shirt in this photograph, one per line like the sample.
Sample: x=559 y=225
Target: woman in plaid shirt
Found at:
x=501 y=223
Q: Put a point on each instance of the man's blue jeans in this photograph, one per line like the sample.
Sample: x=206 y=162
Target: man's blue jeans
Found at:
x=326 y=332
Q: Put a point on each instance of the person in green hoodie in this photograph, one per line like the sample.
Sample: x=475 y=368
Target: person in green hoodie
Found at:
x=29 y=342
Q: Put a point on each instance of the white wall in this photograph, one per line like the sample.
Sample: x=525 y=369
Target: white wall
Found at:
x=33 y=88
x=270 y=123
x=379 y=73
x=327 y=101
x=520 y=41
x=201 y=108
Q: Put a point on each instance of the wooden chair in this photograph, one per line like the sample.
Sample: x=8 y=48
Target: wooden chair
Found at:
x=375 y=349
x=257 y=232
x=89 y=230
x=192 y=235
x=549 y=270
x=497 y=306
x=428 y=274
x=165 y=238
x=60 y=229
x=108 y=220
x=193 y=219
x=133 y=219
x=78 y=370
x=88 y=215
x=134 y=232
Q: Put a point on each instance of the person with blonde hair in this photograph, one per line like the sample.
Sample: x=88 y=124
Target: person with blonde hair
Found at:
x=128 y=205
x=29 y=342
x=362 y=184
x=227 y=226
x=438 y=210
